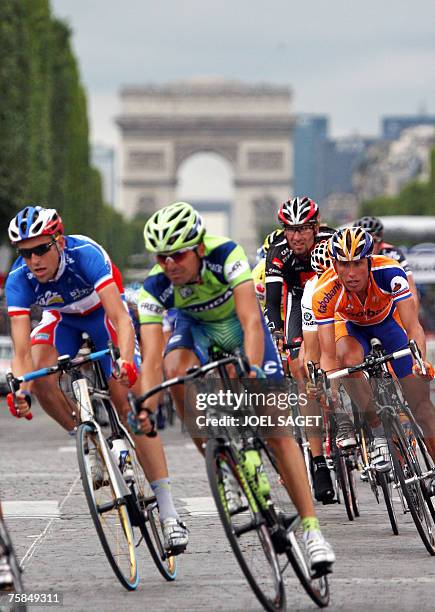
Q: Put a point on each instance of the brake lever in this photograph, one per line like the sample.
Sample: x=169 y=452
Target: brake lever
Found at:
x=417 y=356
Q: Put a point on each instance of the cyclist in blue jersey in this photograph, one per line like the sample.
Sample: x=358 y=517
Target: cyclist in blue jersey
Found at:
x=207 y=280
x=72 y=279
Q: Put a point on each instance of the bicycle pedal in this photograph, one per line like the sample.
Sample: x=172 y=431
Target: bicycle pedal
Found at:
x=323 y=569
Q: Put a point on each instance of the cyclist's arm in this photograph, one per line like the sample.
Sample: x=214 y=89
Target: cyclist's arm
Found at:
x=20 y=332
x=119 y=317
x=249 y=316
x=152 y=345
x=413 y=290
x=311 y=347
x=328 y=356
x=273 y=303
x=409 y=318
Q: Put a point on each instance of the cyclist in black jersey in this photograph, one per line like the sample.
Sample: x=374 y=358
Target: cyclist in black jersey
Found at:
x=375 y=227
x=288 y=267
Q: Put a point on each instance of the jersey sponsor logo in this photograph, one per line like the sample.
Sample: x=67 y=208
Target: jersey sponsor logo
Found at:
x=150 y=308
x=166 y=293
x=175 y=338
x=76 y=294
x=278 y=263
x=327 y=297
x=214 y=267
x=235 y=269
x=398 y=284
x=308 y=316
x=270 y=367
x=212 y=304
x=49 y=298
x=259 y=288
x=185 y=292
x=41 y=336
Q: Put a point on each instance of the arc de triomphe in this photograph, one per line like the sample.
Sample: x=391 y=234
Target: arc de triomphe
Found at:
x=249 y=125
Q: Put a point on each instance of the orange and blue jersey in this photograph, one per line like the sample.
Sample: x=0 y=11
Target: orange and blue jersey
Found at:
x=387 y=285
x=377 y=316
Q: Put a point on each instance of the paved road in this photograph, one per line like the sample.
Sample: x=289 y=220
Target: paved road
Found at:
x=55 y=537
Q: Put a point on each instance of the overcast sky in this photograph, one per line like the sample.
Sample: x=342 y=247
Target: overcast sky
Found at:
x=352 y=60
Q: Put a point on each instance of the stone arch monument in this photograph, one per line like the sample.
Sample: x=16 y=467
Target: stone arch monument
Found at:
x=249 y=125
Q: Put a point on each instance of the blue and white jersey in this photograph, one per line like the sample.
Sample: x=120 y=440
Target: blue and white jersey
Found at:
x=84 y=269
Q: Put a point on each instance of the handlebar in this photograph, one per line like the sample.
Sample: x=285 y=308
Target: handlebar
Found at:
x=372 y=361
x=195 y=372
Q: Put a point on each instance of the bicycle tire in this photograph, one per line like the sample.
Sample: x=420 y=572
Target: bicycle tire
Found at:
x=387 y=491
x=350 y=468
x=18 y=587
x=416 y=497
x=317 y=589
x=148 y=520
x=96 y=498
x=216 y=454
x=343 y=482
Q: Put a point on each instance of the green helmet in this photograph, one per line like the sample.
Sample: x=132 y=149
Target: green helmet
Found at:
x=173 y=228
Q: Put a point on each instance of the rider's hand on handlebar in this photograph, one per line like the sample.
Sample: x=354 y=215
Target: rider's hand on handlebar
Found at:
x=430 y=372
x=141 y=423
x=329 y=405
x=19 y=404
x=312 y=390
x=127 y=372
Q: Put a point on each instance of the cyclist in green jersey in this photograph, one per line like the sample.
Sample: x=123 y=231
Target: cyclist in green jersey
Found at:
x=208 y=281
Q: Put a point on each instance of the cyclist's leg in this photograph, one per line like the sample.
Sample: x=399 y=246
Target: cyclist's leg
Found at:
x=51 y=338
x=352 y=346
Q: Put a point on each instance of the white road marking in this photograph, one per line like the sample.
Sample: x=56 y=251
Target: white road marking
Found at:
x=199 y=506
x=31 y=551
x=67 y=449
x=31 y=509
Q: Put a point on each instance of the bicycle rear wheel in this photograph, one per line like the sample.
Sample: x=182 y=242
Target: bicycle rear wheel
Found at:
x=409 y=473
x=109 y=514
x=150 y=525
x=246 y=531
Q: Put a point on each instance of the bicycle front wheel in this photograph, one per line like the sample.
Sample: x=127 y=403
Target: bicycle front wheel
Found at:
x=387 y=490
x=409 y=474
x=246 y=530
x=316 y=588
x=109 y=514
x=340 y=465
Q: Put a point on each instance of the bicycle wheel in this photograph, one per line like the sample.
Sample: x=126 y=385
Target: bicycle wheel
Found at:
x=150 y=525
x=409 y=474
x=343 y=482
x=246 y=531
x=316 y=588
x=109 y=514
x=351 y=468
x=18 y=587
x=386 y=485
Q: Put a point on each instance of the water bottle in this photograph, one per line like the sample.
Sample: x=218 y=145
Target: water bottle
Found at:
x=254 y=469
x=122 y=458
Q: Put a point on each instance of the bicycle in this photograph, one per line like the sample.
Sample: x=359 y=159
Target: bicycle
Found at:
x=262 y=528
x=7 y=549
x=123 y=509
x=413 y=468
x=342 y=461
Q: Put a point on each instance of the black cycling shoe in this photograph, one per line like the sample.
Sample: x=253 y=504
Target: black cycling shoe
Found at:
x=323 y=488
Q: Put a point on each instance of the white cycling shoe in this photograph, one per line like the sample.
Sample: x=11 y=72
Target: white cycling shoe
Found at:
x=175 y=536
x=320 y=553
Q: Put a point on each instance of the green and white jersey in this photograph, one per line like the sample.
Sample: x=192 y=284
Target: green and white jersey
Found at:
x=224 y=267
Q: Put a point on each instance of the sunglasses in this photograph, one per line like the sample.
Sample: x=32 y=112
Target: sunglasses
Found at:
x=302 y=229
x=39 y=250
x=176 y=257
